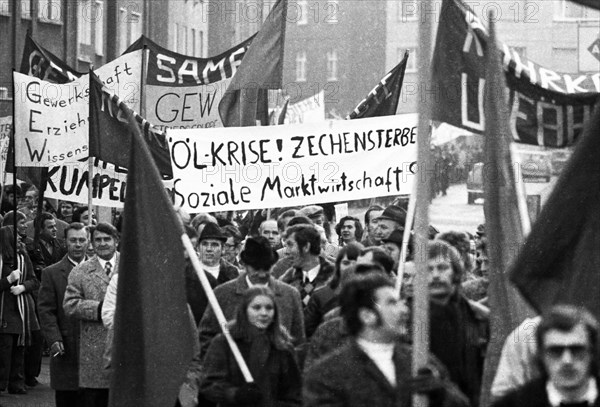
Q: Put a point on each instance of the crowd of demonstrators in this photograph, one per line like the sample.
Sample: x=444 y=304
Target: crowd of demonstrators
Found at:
x=317 y=319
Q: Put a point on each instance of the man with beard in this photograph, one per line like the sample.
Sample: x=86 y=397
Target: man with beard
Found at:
x=210 y=247
x=459 y=331
x=257 y=257
x=62 y=333
x=567 y=343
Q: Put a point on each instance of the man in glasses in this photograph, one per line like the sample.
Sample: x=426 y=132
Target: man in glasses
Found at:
x=567 y=340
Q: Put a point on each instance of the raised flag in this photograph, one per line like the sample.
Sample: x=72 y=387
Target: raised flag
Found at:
x=245 y=100
x=547 y=108
x=560 y=260
x=184 y=91
x=109 y=134
x=153 y=342
x=502 y=216
x=383 y=99
x=43 y=64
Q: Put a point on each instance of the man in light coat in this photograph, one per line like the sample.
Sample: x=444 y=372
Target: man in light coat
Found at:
x=83 y=301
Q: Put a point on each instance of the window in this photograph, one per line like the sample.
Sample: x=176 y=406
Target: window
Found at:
x=5 y=7
x=99 y=27
x=411 y=63
x=301 y=66
x=201 y=45
x=568 y=10
x=332 y=10
x=123 y=29
x=302 y=7
x=193 y=49
x=407 y=10
x=175 y=35
x=180 y=39
x=332 y=63
x=26 y=9
x=50 y=11
x=135 y=26
x=84 y=22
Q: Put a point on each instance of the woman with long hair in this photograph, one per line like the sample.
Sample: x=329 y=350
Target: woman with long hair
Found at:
x=17 y=310
x=266 y=348
x=326 y=298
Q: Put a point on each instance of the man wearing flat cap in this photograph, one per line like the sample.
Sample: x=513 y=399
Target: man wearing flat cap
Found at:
x=210 y=250
x=392 y=218
x=257 y=257
x=314 y=213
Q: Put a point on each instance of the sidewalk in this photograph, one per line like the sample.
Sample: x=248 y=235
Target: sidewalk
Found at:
x=39 y=396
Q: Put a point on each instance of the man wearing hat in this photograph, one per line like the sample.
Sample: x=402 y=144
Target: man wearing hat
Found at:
x=258 y=257
x=210 y=250
x=392 y=218
x=393 y=245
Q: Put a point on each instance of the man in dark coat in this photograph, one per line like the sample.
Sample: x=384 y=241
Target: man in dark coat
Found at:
x=210 y=247
x=459 y=329
x=309 y=271
x=258 y=258
x=373 y=367
x=49 y=248
x=61 y=332
x=567 y=343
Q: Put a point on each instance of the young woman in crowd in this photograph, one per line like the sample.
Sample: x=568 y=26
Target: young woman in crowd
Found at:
x=267 y=350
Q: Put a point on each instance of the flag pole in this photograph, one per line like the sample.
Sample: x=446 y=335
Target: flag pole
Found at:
x=521 y=194
x=90 y=171
x=189 y=248
x=420 y=334
x=410 y=216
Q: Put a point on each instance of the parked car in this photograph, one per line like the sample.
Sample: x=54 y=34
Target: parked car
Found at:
x=475 y=183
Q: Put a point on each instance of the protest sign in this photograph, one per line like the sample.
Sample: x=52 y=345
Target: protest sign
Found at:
x=546 y=108
x=184 y=92
x=69 y=182
x=309 y=110
x=291 y=165
x=52 y=119
x=5 y=133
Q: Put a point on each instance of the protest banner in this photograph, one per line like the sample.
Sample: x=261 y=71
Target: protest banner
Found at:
x=184 y=92
x=546 y=108
x=5 y=134
x=69 y=182
x=52 y=119
x=225 y=169
x=309 y=110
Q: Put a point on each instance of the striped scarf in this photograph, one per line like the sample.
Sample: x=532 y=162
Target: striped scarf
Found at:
x=25 y=336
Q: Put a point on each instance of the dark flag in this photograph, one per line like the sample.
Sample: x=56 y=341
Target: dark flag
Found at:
x=153 y=342
x=560 y=260
x=588 y=3
x=383 y=99
x=281 y=119
x=502 y=216
x=110 y=139
x=245 y=100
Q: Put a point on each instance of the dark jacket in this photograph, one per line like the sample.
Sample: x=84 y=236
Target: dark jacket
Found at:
x=227 y=272
x=41 y=257
x=532 y=394
x=196 y=296
x=349 y=378
x=459 y=336
x=56 y=326
x=276 y=374
x=329 y=336
x=229 y=296
x=294 y=277
x=10 y=318
x=320 y=303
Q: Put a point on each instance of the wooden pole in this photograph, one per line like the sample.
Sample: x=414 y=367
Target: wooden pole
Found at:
x=189 y=248
x=410 y=216
x=421 y=287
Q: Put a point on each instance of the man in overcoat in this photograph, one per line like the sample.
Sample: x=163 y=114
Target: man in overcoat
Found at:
x=83 y=301
x=61 y=332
